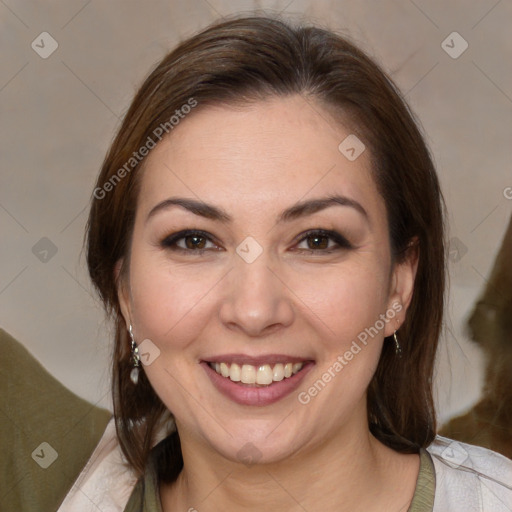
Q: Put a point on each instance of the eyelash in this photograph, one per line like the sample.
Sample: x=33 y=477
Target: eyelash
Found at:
x=342 y=243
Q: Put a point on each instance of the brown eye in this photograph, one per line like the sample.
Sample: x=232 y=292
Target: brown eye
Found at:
x=318 y=241
x=194 y=241
x=323 y=241
x=189 y=241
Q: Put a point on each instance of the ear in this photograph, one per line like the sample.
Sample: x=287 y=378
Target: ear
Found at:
x=402 y=286
x=123 y=292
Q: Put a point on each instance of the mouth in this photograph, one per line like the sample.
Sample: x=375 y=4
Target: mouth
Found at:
x=260 y=375
x=256 y=381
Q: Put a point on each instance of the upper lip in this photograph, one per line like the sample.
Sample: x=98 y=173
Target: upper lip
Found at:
x=242 y=359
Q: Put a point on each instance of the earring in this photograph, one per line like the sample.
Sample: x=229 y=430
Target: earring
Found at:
x=398 y=348
x=134 y=374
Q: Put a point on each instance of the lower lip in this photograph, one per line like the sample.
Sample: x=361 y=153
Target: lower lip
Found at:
x=244 y=394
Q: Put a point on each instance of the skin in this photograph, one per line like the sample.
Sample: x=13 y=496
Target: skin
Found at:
x=296 y=299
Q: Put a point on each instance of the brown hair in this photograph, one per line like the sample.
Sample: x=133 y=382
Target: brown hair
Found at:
x=246 y=59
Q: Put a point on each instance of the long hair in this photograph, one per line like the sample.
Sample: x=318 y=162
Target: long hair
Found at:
x=249 y=59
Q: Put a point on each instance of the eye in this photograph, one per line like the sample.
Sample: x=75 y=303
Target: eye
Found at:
x=189 y=241
x=319 y=240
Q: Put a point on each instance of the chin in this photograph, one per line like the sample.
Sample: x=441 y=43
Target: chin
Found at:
x=250 y=445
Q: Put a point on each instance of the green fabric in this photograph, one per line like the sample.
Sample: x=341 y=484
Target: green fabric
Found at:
x=36 y=408
x=423 y=499
x=146 y=496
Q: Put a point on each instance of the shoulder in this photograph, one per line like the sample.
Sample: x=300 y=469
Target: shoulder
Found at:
x=47 y=432
x=470 y=477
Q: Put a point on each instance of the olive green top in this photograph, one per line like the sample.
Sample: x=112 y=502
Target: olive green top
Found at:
x=47 y=435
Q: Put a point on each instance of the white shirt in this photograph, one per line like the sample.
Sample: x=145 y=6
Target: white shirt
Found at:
x=470 y=478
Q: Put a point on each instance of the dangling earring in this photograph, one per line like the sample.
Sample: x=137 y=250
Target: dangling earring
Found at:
x=398 y=348
x=134 y=374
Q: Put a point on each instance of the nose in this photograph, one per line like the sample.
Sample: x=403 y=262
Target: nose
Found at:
x=256 y=300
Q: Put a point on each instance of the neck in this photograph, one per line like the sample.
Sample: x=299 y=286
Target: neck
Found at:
x=344 y=473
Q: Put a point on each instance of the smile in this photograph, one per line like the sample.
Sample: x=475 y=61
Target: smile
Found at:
x=256 y=381
x=263 y=375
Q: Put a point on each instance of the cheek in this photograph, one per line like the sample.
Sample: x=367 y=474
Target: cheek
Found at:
x=342 y=301
x=347 y=305
x=168 y=303
x=172 y=307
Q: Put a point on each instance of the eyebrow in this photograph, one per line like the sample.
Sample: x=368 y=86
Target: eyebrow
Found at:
x=300 y=209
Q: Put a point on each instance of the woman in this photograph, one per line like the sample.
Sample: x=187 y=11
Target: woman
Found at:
x=267 y=233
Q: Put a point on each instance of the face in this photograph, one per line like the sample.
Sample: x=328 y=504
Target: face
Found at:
x=261 y=279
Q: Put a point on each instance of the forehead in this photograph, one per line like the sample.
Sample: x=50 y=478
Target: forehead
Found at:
x=258 y=157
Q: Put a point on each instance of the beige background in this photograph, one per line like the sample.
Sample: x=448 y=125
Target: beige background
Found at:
x=60 y=113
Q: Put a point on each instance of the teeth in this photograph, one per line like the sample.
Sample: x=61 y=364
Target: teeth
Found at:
x=235 y=373
x=278 y=373
x=224 y=369
x=296 y=367
x=263 y=375
x=248 y=374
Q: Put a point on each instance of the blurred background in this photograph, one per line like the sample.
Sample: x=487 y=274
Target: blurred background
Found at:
x=69 y=70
